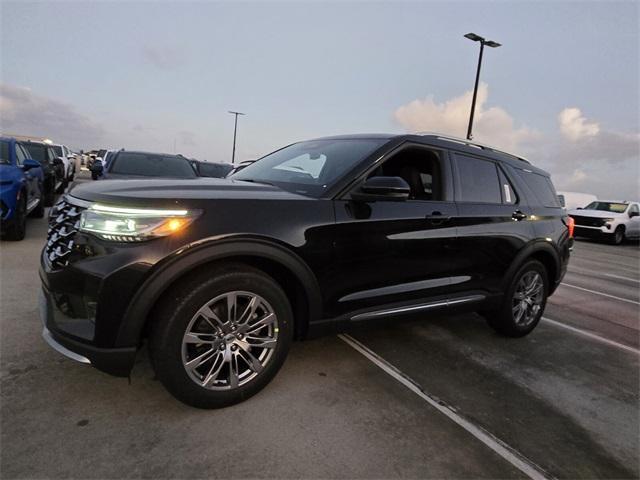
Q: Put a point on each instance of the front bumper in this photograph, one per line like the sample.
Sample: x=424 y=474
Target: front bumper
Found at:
x=115 y=361
x=592 y=232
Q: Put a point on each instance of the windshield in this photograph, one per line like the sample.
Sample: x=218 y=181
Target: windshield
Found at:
x=309 y=168
x=607 y=207
x=37 y=151
x=4 y=153
x=151 y=165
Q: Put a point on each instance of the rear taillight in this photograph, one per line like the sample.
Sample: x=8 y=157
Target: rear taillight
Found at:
x=571 y=224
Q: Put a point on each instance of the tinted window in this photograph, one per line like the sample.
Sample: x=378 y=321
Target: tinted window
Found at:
x=541 y=187
x=479 y=180
x=215 y=170
x=4 y=153
x=420 y=168
x=152 y=165
x=634 y=209
x=37 y=151
x=309 y=168
x=57 y=149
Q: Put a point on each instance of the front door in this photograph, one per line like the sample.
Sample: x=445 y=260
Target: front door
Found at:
x=395 y=252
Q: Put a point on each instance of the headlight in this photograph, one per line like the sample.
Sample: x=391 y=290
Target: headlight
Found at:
x=608 y=219
x=122 y=224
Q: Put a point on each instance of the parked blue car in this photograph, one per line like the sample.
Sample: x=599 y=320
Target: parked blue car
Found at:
x=21 y=180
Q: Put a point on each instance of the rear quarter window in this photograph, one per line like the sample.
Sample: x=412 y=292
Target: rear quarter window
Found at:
x=541 y=187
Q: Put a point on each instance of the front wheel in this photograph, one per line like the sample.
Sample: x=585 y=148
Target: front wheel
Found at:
x=524 y=302
x=221 y=337
x=18 y=228
x=618 y=236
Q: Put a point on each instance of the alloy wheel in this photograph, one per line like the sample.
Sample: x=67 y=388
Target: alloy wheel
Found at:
x=230 y=340
x=528 y=298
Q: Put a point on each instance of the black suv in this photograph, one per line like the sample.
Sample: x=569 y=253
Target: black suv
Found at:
x=219 y=275
x=52 y=167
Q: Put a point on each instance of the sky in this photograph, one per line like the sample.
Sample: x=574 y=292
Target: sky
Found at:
x=563 y=89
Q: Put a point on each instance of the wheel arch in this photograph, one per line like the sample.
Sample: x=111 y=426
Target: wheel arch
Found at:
x=543 y=252
x=284 y=265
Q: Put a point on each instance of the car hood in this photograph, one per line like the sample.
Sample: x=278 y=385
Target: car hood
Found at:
x=172 y=192
x=595 y=213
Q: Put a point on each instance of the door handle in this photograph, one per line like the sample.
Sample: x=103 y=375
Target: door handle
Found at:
x=518 y=215
x=437 y=218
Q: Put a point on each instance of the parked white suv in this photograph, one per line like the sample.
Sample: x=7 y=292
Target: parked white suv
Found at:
x=67 y=158
x=610 y=220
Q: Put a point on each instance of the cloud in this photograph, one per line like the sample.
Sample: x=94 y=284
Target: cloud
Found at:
x=576 y=127
x=580 y=154
x=23 y=112
x=491 y=125
x=164 y=57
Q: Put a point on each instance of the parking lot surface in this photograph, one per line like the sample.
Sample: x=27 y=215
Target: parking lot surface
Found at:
x=440 y=397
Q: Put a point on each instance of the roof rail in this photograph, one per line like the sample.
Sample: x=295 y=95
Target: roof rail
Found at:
x=469 y=143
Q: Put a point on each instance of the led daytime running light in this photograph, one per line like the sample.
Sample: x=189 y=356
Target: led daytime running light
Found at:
x=138 y=211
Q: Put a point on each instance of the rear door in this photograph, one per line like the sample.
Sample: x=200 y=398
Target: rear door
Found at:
x=493 y=224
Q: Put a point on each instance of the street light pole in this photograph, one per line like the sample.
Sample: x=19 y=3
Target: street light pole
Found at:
x=235 y=131
x=483 y=42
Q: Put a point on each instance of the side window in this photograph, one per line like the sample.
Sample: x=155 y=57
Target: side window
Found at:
x=509 y=195
x=420 y=167
x=20 y=155
x=478 y=180
x=541 y=187
x=634 y=211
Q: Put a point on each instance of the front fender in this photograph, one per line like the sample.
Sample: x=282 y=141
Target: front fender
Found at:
x=187 y=259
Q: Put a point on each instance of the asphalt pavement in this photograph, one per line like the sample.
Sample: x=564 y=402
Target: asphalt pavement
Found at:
x=440 y=397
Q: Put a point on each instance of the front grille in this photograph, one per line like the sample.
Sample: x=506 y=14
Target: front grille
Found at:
x=64 y=222
x=588 y=221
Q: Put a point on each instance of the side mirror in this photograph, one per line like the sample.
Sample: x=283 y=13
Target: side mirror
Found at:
x=58 y=161
x=579 y=208
x=382 y=188
x=633 y=214
x=30 y=163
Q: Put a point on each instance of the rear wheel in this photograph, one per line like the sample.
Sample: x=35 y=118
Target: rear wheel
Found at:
x=221 y=337
x=18 y=227
x=524 y=302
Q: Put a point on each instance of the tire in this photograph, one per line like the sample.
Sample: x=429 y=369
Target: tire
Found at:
x=618 y=236
x=63 y=186
x=49 y=194
x=506 y=320
x=38 y=212
x=94 y=176
x=180 y=313
x=18 y=227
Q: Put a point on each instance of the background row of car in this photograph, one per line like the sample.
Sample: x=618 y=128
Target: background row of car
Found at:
x=123 y=164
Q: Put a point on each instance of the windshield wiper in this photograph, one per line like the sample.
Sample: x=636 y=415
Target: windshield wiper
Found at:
x=255 y=181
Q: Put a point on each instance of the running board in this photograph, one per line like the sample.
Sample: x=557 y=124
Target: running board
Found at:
x=416 y=308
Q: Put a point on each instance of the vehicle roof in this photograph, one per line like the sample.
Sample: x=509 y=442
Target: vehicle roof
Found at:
x=148 y=153
x=7 y=138
x=449 y=142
